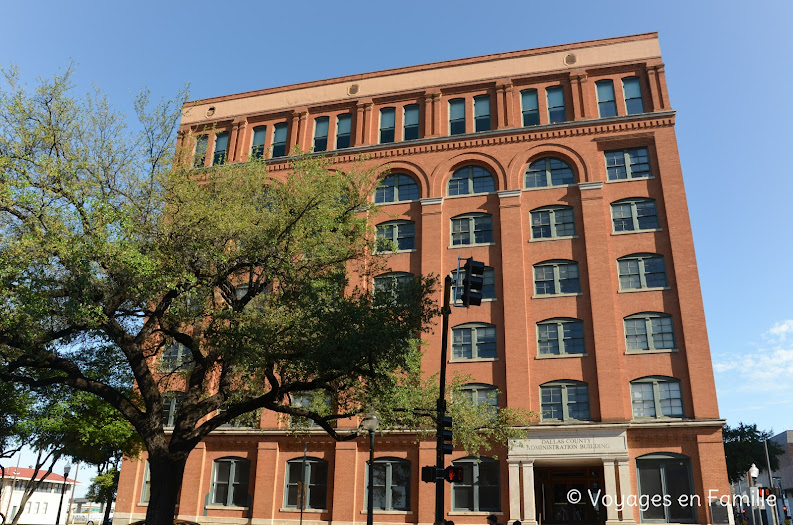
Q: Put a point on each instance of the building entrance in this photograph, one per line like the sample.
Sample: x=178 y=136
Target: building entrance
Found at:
x=552 y=487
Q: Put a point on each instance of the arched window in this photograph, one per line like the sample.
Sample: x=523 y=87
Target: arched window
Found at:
x=312 y=473
x=396 y=188
x=549 y=171
x=564 y=400
x=556 y=278
x=479 y=490
x=474 y=341
x=634 y=214
x=664 y=476
x=649 y=331
x=560 y=336
x=641 y=271
x=656 y=396
x=391 y=488
x=552 y=222
x=395 y=236
x=481 y=394
x=469 y=180
x=230 y=479
x=488 y=284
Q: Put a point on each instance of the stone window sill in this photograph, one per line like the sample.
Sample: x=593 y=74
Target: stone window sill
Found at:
x=554 y=356
x=305 y=511
x=456 y=246
x=654 y=351
x=553 y=295
x=634 y=290
x=630 y=232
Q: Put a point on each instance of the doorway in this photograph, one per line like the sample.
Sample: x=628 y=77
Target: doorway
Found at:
x=552 y=486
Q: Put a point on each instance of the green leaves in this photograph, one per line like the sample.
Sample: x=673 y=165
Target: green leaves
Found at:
x=743 y=445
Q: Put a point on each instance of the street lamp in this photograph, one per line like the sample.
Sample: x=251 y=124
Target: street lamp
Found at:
x=753 y=473
x=66 y=470
x=369 y=424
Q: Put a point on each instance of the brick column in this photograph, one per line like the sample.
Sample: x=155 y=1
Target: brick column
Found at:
x=612 y=385
x=345 y=483
x=265 y=480
x=358 y=124
x=291 y=141
x=367 y=123
x=513 y=240
x=426 y=492
x=509 y=106
x=581 y=108
x=304 y=131
x=236 y=137
x=436 y=115
x=499 y=108
x=191 y=503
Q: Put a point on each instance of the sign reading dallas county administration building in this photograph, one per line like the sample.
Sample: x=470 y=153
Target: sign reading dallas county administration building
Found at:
x=553 y=444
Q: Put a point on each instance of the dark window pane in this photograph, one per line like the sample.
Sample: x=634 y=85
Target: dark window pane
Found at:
x=650 y=484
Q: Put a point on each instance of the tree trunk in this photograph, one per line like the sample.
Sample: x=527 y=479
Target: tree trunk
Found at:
x=166 y=480
x=108 y=503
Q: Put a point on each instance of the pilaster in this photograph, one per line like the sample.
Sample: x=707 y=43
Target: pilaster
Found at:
x=529 y=505
x=265 y=480
x=625 y=491
x=610 y=489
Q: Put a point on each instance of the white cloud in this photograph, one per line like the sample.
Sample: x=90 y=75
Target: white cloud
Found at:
x=763 y=367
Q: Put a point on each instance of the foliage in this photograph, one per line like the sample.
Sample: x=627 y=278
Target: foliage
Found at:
x=15 y=406
x=743 y=445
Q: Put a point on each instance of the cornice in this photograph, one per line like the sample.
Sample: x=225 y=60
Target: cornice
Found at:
x=633 y=123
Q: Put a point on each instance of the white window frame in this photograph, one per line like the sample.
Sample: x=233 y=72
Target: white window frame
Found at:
x=649 y=335
x=656 y=381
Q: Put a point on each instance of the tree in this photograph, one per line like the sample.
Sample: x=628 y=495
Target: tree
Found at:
x=743 y=445
x=114 y=254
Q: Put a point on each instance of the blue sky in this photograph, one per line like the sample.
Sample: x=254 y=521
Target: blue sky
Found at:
x=728 y=73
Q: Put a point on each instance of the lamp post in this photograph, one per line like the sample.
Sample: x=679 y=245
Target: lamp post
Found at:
x=369 y=424
x=753 y=473
x=66 y=470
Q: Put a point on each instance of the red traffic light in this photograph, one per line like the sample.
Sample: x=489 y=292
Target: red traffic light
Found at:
x=453 y=474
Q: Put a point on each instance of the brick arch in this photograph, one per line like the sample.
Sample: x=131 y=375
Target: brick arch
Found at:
x=409 y=168
x=520 y=162
x=443 y=171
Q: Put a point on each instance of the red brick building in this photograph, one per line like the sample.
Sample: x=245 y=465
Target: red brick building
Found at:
x=558 y=167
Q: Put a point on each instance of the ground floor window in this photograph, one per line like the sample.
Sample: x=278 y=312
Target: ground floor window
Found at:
x=313 y=480
x=479 y=490
x=230 y=482
x=391 y=487
x=667 y=476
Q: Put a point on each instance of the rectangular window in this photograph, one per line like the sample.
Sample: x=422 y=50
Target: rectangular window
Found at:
x=279 y=139
x=607 y=104
x=321 y=133
x=625 y=164
x=221 y=148
x=343 y=130
x=562 y=402
x=457 y=116
x=556 y=111
x=145 y=492
x=411 y=121
x=633 y=95
x=259 y=136
x=531 y=110
x=387 y=125
x=480 y=225
x=201 y=144
x=482 y=112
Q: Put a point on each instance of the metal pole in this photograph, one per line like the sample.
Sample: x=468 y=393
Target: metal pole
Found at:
x=770 y=483
x=439 y=459
x=370 y=494
x=752 y=498
x=71 y=497
x=302 y=494
x=63 y=491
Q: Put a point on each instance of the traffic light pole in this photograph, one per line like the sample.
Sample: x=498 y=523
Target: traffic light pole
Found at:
x=440 y=460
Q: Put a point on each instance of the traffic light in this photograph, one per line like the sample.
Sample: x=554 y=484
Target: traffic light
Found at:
x=763 y=492
x=428 y=474
x=453 y=474
x=445 y=435
x=473 y=282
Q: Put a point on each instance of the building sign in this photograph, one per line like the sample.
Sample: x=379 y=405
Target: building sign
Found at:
x=605 y=444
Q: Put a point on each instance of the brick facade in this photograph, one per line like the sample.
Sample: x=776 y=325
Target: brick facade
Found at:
x=615 y=437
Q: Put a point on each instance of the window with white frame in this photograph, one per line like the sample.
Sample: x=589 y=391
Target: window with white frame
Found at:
x=472 y=228
x=530 y=109
x=479 y=490
x=632 y=89
x=649 y=331
x=634 y=214
x=312 y=475
x=552 y=222
x=230 y=480
x=488 y=284
x=474 y=341
x=641 y=271
x=564 y=401
x=607 y=102
x=391 y=487
x=321 y=125
x=396 y=188
x=560 y=336
x=556 y=278
x=549 y=171
x=469 y=180
x=411 y=122
x=656 y=396
x=482 y=113
x=457 y=116
x=624 y=164
x=387 y=125
x=395 y=236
